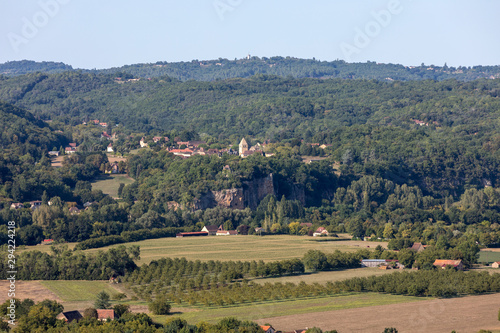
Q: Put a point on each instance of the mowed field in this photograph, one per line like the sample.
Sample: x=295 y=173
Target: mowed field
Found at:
x=258 y=311
x=109 y=184
x=464 y=315
x=489 y=255
x=329 y=276
x=224 y=248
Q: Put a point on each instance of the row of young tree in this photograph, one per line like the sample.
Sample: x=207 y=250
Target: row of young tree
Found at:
x=433 y=283
x=215 y=283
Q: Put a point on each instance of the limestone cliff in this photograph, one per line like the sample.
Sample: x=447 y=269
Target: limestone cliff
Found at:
x=256 y=190
x=249 y=195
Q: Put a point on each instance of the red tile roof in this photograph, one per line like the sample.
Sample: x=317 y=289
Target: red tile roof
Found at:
x=103 y=314
x=442 y=263
x=190 y=234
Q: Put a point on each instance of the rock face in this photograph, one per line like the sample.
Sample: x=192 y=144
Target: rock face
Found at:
x=256 y=190
x=232 y=198
x=249 y=195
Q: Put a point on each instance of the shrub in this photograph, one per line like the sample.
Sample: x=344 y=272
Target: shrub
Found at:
x=160 y=306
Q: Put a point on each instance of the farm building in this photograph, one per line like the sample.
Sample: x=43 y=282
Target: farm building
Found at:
x=192 y=234
x=381 y=262
x=417 y=247
x=226 y=232
x=69 y=316
x=496 y=264
x=211 y=229
x=372 y=262
x=105 y=315
x=444 y=263
x=268 y=329
x=321 y=231
x=35 y=204
x=260 y=230
x=16 y=205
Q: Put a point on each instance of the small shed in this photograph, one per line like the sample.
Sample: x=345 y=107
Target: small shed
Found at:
x=496 y=264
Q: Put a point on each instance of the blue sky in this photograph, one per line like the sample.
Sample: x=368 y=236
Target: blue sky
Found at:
x=111 y=33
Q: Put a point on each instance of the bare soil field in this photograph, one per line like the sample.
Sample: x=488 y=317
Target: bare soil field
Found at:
x=56 y=162
x=466 y=314
x=492 y=249
x=112 y=158
x=27 y=289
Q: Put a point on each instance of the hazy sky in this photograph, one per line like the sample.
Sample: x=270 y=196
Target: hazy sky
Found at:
x=110 y=33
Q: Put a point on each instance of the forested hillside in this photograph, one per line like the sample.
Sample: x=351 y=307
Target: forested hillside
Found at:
x=28 y=66
x=441 y=136
x=21 y=133
x=405 y=161
x=221 y=69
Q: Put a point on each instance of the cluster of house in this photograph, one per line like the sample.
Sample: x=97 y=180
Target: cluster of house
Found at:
x=70 y=149
x=102 y=315
x=190 y=148
x=73 y=209
x=209 y=230
x=417 y=247
x=33 y=205
x=213 y=230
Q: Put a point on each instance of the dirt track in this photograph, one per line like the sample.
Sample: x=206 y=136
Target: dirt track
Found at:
x=467 y=314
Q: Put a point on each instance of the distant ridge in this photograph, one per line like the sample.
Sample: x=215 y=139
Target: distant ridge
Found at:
x=22 y=67
x=219 y=69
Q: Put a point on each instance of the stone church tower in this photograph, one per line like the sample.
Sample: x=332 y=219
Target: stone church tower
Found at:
x=243 y=146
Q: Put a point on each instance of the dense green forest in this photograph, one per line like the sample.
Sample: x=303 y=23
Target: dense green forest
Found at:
x=221 y=69
x=405 y=161
x=441 y=136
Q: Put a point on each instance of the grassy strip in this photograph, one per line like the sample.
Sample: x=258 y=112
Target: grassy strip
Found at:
x=109 y=184
x=72 y=291
x=293 y=307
